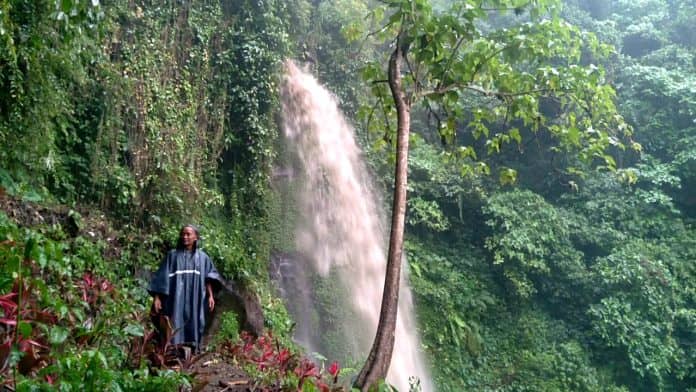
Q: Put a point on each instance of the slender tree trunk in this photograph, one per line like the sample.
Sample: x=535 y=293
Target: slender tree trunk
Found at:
x=378 y=361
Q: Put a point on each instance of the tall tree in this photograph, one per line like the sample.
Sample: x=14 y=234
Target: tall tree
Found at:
x=487 y=86
x=378 y=362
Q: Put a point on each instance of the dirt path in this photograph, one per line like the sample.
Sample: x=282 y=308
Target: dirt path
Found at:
x=211 y=373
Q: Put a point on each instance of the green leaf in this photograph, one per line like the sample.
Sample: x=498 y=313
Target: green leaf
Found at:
x=66 y=6
x=12 y=263
x=32 y=196
x=29 y=248
x=515 y=135
x=460 y=323
x=416 y=269
x=574 y=136
x=508 y=176
x=24 y=329
x=58 y=334
x=134 y=330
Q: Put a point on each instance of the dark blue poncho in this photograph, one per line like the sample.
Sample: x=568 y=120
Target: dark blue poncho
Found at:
x=180 y=282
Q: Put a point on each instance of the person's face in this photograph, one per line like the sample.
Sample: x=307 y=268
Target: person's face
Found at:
x=188 y=237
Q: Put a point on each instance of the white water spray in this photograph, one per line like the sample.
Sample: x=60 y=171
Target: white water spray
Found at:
x=341 y=227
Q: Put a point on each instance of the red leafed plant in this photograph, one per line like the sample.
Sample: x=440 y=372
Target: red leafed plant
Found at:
x=279 y=365
x=94 y=287
x=9 y=307
x=333 y=370
x=264 y=352
x=156 y=349
x=307 y=370
x=24 y=322
x=21 y=314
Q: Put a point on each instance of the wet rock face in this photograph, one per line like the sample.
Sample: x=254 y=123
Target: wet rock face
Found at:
x=253 y=320
x=292 y=280
x=244 y=303
x=287 y=274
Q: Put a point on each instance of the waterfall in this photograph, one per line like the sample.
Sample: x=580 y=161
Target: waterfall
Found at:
x=340 y=231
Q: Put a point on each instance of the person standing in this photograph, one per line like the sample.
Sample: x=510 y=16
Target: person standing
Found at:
x=182 y=288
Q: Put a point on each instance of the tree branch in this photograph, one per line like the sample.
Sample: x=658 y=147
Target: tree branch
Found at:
x=369 y=117
x=432 y=112
x=416 y=83
x=487 y=59
x=483 y=91
x=450 y=60
x=387 y=126
x=521 y=7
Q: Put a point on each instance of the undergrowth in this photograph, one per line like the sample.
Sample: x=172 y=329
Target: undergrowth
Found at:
x=69 y=317
x=73 y=320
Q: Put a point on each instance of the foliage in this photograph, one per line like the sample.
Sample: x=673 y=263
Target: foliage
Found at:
x=641 y=294
x=497 y=344
x=65 y=324
x=532 y=243
x=275 y=366
x=229 y=327
x=491 y=75
x=655 y=86
x=484 y=86
x=331 y=46
x=43 y=49
x=591 y=252
x=610 y=257
x=452 y=329
x=153 y=113
x=156 y=115
x=331 y=314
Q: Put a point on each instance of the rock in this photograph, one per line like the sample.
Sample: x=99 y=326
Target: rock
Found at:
x=243 y=302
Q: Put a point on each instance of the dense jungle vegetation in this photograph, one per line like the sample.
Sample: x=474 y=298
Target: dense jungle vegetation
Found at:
x=550 y=241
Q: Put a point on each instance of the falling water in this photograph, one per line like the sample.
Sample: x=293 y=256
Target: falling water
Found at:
x=340 y=230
